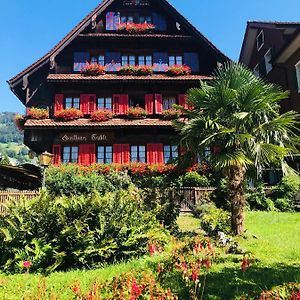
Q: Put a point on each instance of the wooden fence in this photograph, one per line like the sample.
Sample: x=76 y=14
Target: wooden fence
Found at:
x=6 y=196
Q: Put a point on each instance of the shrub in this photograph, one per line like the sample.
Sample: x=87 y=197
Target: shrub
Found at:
x=93 y=69
x=20 y=122
x=170 y=114
x=135 y=28
x=290 y=291
x=76 y=232
x=284 y=204
x=178 y=70
x=68 y=114
x=136 y=112
x=194 y=179
x=101 y=115
x=37 y=113
x=258 y=200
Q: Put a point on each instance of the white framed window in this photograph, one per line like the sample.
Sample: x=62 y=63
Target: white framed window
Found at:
x=70 y=154
x=268 y=58
x=260 y=40
x=256 y=71
x=104 y=103
x=104 y=154
x=138 y=154
x=175 y=60
x=297 y=66
x=98 y=60
x=72 y=102
x=168 y=102
x=170 y=153
x=128 y=60
x=145 y=60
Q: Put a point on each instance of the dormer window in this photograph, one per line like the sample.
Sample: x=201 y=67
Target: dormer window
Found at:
x=268 y=58
x=145 y=60
x=72 y=102
x=145 y=19
x=127 y=19
x=260 y=40
x=175 y=60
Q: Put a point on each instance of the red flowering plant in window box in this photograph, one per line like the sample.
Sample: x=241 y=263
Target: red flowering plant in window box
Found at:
x=136 y=70
x=171 y=114
x=20 y=122
x=144 y=70
x=93 y=69
x=178 y=70
x=136 y=113
x=134 y=28
x=37 y=113
x=68 y=114
x=101 y=115
x=127 y=70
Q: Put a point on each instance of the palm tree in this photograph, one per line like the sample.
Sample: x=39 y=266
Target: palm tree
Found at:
x=239 y=114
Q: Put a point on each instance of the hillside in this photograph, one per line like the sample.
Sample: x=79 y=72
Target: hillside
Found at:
x=11 y=140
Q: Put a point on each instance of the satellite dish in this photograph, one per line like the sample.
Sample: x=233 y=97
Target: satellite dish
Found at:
x=178 y=26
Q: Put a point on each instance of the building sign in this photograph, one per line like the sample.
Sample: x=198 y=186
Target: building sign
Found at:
x=92 y=137
x=136 y=3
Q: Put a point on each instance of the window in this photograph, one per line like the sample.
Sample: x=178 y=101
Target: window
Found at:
x=207 y=153
x=104 y=154
x=127 y=19
x=128 y=60
x=168 y=102
x=70 y=154
x=170 y=153
x=138 y=154
x=145 y=60
x=297 y=66
x=145 y=19
x=104 y=103
x=260 y=40
x=72 y=102
x=268 y=57
x=98 y=60
x=256 y=70
x=175 y=60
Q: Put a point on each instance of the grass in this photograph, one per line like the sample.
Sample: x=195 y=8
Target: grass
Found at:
x=272 y=238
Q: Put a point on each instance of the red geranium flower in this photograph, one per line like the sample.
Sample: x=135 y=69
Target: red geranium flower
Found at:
x=27 y=264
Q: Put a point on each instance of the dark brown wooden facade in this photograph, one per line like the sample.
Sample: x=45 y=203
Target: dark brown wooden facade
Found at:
x=173 y=38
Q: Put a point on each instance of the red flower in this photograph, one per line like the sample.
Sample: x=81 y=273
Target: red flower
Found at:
x=26 y=264
x=101 y=115
x=152 y=249
x=135 y=28
x=178 y=70
x=195 y=274
x=245 y=264
x=93 y=69
x=69 y=114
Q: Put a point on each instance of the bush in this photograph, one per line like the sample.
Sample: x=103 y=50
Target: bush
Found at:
x=194 y=179
x=284 y=204
x=77 y=232
x=258 y=200
x=171 y=114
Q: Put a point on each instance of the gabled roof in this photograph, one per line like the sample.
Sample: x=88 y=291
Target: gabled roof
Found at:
x=87 y=21
x=252 y=30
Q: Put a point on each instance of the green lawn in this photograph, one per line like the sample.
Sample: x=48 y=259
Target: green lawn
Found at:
x=272 y=238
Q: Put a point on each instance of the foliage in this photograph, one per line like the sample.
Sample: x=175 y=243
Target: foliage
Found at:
x=178 y=70
x=93 y=69
x=289 y=291
x=136 y=70
x=170 y=114
x=136 y=112
x=258 y=199
x=135 y=28
x=194 y=179
x=240 y=114
x=4 y=160
x=213 y=219
x=76 y=232
x=37 y=113
x=20 y=122
x=8 y=132
x=101 y=115
x=68 y=114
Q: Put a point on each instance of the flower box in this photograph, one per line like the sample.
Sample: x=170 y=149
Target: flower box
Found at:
x=137 y=113
x=37 y=113
x=68 y=114
x=136 y=70
x=171 y=114
x=101 y=115
x=133 y=28
x=20 y=122
x=178 y=70
x=93 y=69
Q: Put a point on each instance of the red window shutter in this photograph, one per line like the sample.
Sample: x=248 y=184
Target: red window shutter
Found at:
x=84 y=103
x=182 y=101
x=117 y=153
x=92 y=103
x=159 y=153
x=149 y=104
x=125 y=154
x=82 y=154
x=116 y=104
x=92 y=154
x=56 y=151
x=124 y=104
x=58 y=103
x=158 y=104
x=151 y=154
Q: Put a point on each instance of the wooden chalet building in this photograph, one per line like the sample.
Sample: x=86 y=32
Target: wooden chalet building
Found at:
x=55 y=82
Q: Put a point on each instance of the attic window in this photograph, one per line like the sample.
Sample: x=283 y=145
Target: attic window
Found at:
x=260 y=40
x=268 y=58
x=297 y=66
x=256 y=70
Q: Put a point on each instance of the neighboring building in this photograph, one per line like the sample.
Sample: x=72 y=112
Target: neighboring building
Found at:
x=55 y=82
x=272 y=51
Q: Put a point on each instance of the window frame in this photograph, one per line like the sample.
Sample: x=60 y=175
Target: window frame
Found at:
x=168 y=98
x=72 y=102
x=127 y=17
x=105 y=101
x=139 y=160
x=174 y=153
x=176 y=56
x=261 y=33
x=145 y=60
x=106 y=160
x=128 y=60
x=297 y=69
x=98 y=61
x=70 y=158
x=256 y=71
x=268 y=64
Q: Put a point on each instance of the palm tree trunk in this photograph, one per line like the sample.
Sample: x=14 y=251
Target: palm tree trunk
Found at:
x=237 y=198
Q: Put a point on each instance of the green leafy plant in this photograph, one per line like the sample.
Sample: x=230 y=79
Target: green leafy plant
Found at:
x=194 y=179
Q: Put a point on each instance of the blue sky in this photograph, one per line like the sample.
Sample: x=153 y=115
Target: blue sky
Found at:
x=28 y=29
